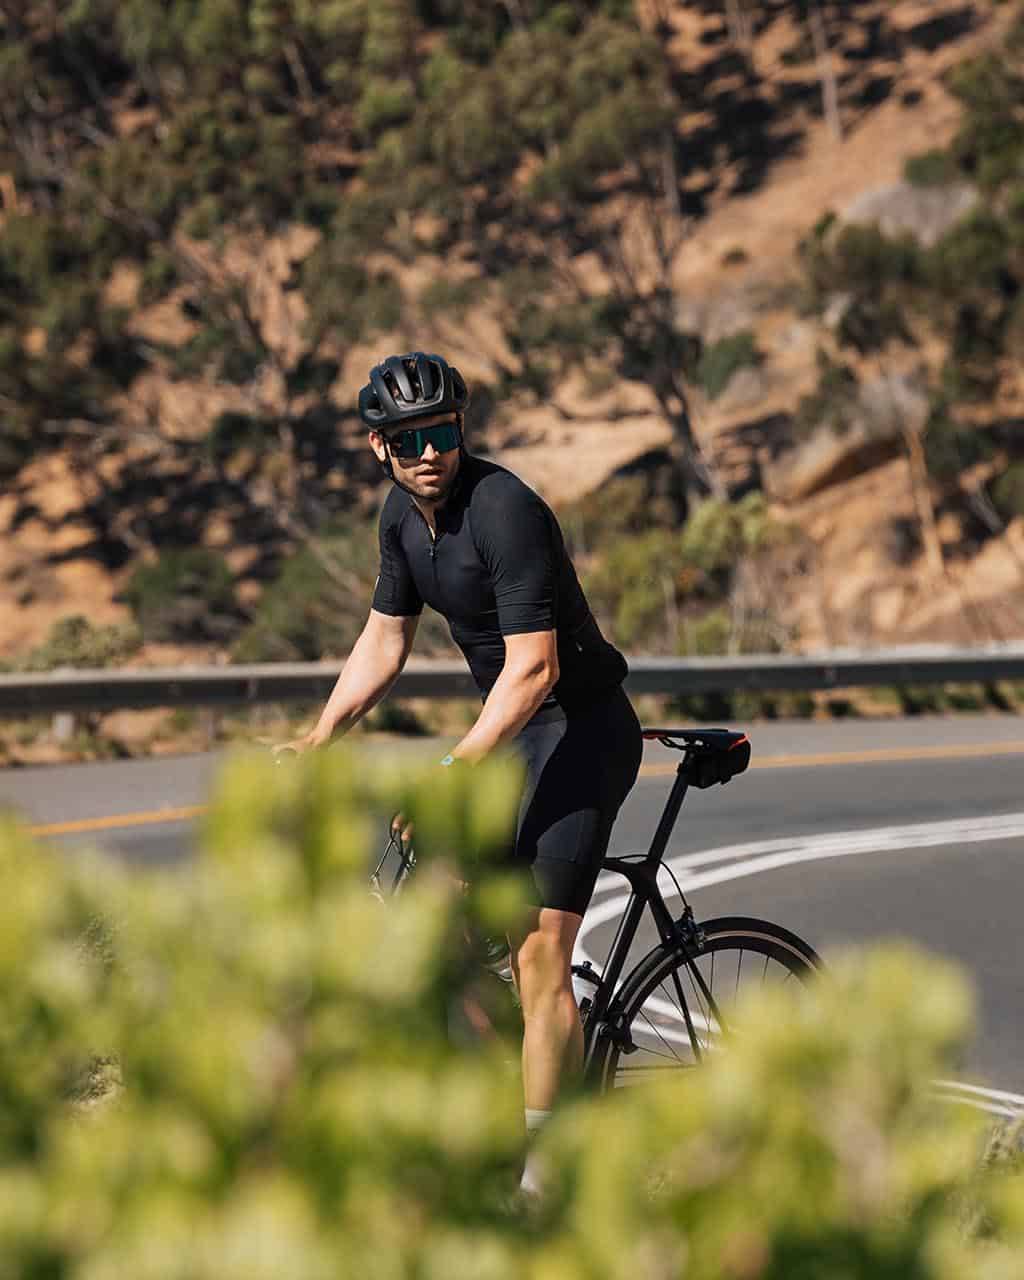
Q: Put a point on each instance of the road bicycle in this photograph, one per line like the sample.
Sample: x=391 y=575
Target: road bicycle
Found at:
x=673 y=1008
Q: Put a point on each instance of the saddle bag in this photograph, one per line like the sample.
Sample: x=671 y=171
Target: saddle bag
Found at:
x=708 y=767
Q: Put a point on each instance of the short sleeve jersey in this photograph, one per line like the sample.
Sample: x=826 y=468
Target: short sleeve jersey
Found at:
x=497 y=568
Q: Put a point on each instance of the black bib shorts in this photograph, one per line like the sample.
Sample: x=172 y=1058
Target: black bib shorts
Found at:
x=579 y=770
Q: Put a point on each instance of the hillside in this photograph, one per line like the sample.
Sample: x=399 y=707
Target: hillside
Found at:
x=637 y=294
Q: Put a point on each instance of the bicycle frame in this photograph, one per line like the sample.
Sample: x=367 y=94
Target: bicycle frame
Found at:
x=601 y=1014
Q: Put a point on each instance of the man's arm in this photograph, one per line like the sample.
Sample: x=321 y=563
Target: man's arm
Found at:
x=373 y=666
x=529 y=674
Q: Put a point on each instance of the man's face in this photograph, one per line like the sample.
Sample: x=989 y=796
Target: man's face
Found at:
x=429 y=476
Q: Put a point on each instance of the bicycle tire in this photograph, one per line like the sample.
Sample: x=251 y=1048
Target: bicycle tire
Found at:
x=723 y=936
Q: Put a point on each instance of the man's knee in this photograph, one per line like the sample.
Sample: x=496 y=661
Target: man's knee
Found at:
x=543 y=957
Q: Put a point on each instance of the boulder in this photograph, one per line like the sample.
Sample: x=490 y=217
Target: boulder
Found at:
x=885 y=405
x=901 y=208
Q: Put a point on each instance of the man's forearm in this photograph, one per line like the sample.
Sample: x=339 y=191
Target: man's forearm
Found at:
x=510 y=703
x=365 y=678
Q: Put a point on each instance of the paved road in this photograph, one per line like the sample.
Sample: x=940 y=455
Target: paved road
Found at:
x=960 y=896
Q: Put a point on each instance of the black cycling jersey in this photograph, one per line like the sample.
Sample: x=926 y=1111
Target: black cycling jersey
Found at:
x=498 y=567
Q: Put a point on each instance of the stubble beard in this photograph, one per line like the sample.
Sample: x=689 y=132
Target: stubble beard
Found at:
x=435 y=499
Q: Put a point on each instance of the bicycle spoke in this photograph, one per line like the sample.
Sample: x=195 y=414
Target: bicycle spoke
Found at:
x=657 y=1032
x=676 y=1028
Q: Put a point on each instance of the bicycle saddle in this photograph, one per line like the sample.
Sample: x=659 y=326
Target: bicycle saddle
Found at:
x=716 y=755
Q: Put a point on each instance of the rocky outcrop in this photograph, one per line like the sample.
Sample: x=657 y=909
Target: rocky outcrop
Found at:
x=886 y=407
x=901 y=208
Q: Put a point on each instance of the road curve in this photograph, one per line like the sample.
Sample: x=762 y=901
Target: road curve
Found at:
x=871 y=786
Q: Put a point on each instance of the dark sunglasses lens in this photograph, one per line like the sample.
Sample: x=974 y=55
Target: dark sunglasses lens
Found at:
x=443 y=438
x=410 y=444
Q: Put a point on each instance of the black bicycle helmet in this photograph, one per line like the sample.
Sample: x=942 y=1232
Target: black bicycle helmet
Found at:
x=411 y=386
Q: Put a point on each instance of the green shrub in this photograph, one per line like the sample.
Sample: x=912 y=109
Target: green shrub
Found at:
x=634 y=584
x=706 y=636
x=936 y=168
x=949 y=446
x=641 y=581
x=971 y=371
x=922 y=699
x=971 y=256
x=618 y=507
x=217 y=351
x=392 y=716
x=870 y=324
x=859 y=260
x=718 y=533
x=723 y=359
x=74 y=642
x=307 y=614
x=834 y=403
x=965 y=697
x=990 y=141
x=186 y=595
x=1008 y=492
x=246 y=1071
x=443 y=297
x=384 y=103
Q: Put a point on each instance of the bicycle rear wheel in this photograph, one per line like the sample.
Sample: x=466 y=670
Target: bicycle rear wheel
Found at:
x=653 y=1036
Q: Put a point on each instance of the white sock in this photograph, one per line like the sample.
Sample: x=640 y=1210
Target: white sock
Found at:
x=532 y=1180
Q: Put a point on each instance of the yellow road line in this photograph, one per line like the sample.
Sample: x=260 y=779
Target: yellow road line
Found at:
x=878 y=756
x=119 y=820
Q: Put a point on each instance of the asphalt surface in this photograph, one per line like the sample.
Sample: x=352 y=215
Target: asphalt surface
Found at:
x=959 y=897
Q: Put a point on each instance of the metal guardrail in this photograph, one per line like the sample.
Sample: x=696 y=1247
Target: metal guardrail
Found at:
x=81 y=691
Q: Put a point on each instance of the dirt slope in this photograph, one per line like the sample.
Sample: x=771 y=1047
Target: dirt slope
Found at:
x=731 y=274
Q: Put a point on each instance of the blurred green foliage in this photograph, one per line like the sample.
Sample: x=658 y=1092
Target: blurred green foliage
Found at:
x=949 y=446
x=966 y=288
x=75 y=642
x=721 y=360
x=186 y=595
x=304 y=614
x=317 y=604
x=244 y=1069
x=1008 y=492
x=132 y=125
x=650 y=586
x=935 y=168
x=835 y=401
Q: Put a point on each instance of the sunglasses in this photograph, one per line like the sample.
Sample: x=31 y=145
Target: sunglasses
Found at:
x=412 y=442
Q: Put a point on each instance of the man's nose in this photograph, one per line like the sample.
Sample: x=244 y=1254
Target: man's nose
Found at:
x=429 y=453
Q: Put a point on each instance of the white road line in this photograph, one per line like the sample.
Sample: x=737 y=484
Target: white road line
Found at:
x=767 y=855
x=996 y=1095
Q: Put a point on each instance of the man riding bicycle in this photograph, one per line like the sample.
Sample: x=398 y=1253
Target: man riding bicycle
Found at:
x=474 y=542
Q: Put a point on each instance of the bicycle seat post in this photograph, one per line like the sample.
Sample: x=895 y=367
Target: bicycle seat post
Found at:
x=668 y=818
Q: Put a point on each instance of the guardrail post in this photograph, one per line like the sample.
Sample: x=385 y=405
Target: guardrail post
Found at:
x=211 y=726
x=64 y=726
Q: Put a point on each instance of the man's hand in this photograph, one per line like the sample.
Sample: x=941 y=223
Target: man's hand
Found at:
x=402 y=829
x=297 y=747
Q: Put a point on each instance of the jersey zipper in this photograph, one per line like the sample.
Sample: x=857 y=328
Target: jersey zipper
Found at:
x=433 y=553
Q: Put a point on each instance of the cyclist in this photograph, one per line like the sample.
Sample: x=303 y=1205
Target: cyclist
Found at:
x=474 y=542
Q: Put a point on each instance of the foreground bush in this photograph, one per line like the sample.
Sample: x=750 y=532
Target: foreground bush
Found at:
x=241 y=1068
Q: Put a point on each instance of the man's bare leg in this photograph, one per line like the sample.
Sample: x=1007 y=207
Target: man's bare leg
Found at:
x=552 y=1034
